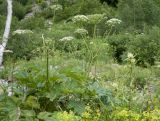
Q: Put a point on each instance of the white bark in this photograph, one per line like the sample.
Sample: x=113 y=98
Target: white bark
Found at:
x=6 y=31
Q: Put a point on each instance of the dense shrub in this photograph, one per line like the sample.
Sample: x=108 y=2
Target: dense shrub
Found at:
x=19 y=10
x=146 y=46
x=68 y=46
x=119 y=45
x=67 y=12
x=112 y=3
x=82 y=8
x=32 y=23
x=25 y=2
x=66 y=70
x=3 y=7
x=47 y=13
x=58 y=31
x=137 y=13
x=23 y=45
x=3 y=22
x=91 y=7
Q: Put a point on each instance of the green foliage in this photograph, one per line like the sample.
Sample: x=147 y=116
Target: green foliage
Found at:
x=58 y=31
x=19 y=10
x=72 y=95
x=22 y=45
x=80 y=7
x=32 y=23
x=58 y=116
x=3 y=6
x=136 y=13
x=119 y=45
x=64 y=62
x=3 y=22
x=67 y=87
x=69 y=46
x=146 y=47
x=25 y=2
x=91 y=7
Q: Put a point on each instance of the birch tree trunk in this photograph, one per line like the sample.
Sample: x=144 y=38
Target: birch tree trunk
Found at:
x=6 y=31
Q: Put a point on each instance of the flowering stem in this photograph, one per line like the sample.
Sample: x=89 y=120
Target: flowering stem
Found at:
x=94 y=31
x=130 y=88
x=47 y=69
x=109 y=32
x=90 y=53
x=150 y=101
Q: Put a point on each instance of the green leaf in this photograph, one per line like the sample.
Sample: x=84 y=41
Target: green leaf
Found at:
x=54 y=93
x=100 y=91
x=32 y=102
x=46 y=116
x=28 y=113
x=78 y=106
x=73 y=74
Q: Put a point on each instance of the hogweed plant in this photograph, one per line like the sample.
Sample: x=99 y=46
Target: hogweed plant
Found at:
x=95 y=19
x=112 y=23
x=55 y=9
x=67 y=44
x=91 y=44
x=66 y=39
x=131 y=62
x=20 y=32
x=150 y=102
x=46 y=43
x=89 y=55
x=81 y=33
x=80 y=20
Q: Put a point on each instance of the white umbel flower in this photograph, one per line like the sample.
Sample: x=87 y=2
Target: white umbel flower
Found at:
x=95 y=18
x=91 y=43
x=56 y=7
x=81 y=31
x=130 y=55
x=113 y=22
x=19 y=31
x=5 y=84
x=69 y=38
x=8 y=51
x=115 y=85
x=131 y=58
x=80 y=19
x=10 y=91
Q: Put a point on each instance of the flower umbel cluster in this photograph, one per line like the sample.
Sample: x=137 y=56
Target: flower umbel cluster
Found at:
x=56 y=7
x=131 y=58
x=80 y=19
x=113 y=22
x=69 y=38
x=81 y=32
x=22 y=32
x=95 y=18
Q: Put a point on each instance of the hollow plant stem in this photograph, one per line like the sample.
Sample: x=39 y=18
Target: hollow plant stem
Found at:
x=47 y=69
